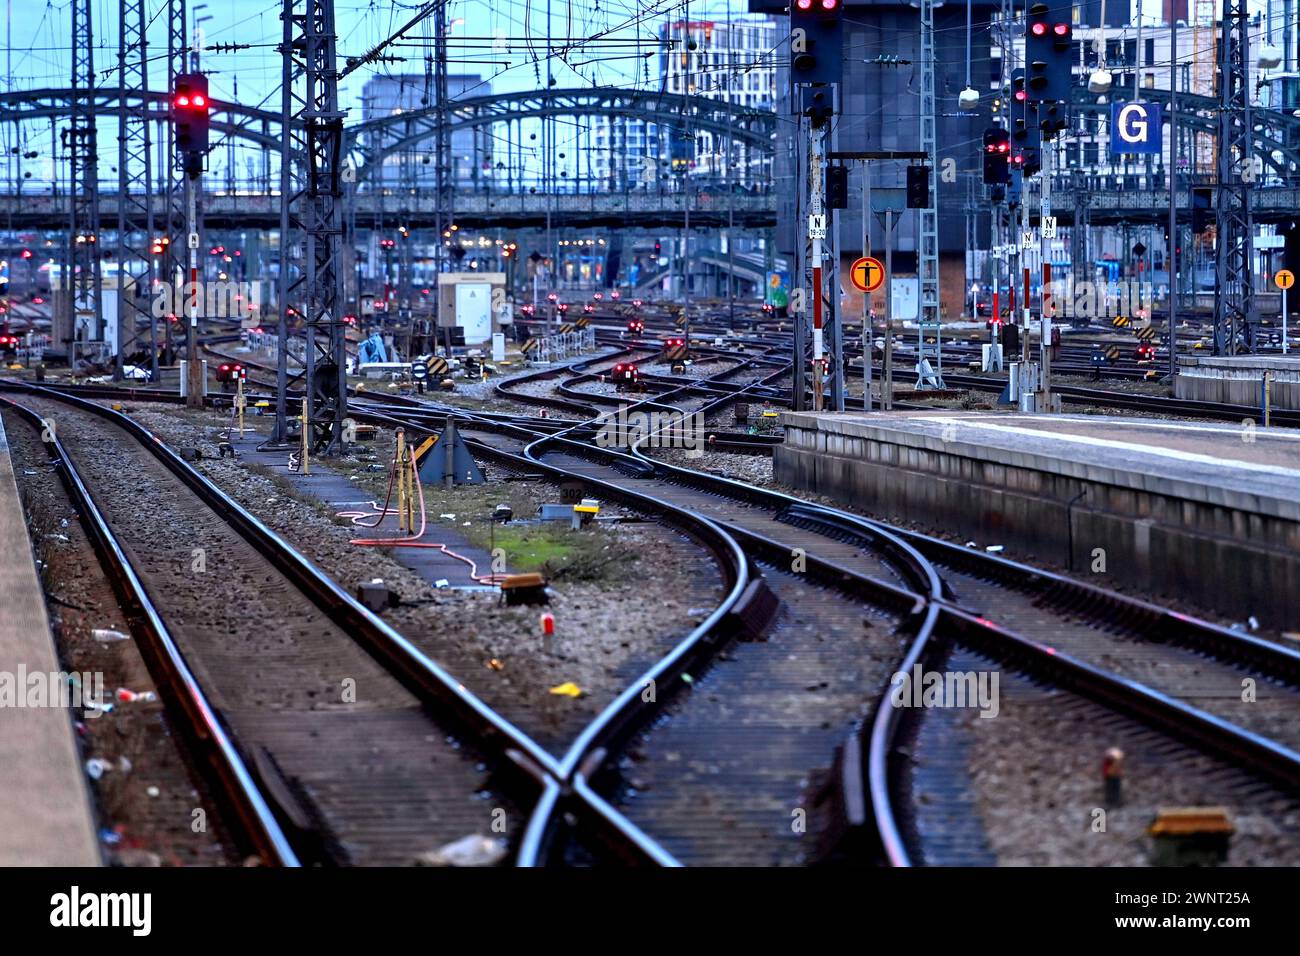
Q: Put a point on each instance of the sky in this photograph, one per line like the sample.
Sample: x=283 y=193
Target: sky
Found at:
x=503 y=40
x=615 y=42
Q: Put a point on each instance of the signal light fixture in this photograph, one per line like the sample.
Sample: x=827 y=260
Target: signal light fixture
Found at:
x=816 y=41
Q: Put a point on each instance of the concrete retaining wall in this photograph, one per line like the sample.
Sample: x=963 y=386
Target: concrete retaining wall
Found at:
x=1224 y=557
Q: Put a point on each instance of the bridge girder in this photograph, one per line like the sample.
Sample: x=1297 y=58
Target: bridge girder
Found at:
x=27 y=105
x=403 y=131
x=1278 y=135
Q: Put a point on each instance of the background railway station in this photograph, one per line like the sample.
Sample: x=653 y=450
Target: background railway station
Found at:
x=848 y=433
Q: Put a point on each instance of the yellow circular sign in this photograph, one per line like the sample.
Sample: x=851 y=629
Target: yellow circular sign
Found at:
x=867 y=274
x=1285 y=278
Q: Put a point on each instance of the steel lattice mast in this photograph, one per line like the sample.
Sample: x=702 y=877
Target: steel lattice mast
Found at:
x=135 y=226
x=1234 y=240
x=928 y=258
x=311 y=217
x=84 y=277
x=443 y=159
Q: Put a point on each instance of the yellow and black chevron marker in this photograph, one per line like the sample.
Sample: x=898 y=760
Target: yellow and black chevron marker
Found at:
x=437 y=366
x=1120 y=321
x=583 y=323
x=676 y=353
x=1145 y=334
x=1112 y=353
x=530 y=346
x=566 y=327
x=680 y=321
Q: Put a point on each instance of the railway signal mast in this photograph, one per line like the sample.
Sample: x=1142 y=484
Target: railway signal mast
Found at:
x=816 y=59
x=190 y=119
x=1048 y=79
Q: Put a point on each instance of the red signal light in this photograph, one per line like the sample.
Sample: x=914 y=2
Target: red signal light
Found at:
x=804 y=4
x=182 y=101
x=1020 y=96
x=830 y=4
x=1061 y=29
x=198 y=101
x=1038 y=29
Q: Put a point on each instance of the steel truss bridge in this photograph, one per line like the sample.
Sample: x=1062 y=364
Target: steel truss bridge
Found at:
x=619 y=199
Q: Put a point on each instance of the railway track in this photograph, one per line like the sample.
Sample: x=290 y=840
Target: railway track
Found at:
x=413 y=761
x=1157 y=678
x=1173 y=708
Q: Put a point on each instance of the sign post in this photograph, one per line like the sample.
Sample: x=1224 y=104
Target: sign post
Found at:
x=1284 y=279
x=867 y=274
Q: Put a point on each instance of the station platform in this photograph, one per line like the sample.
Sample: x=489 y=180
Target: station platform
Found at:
x=1237 y=379
x=45 y=812
x=1205 y=511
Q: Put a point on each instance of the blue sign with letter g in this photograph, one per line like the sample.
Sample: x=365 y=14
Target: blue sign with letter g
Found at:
x=1135 y=128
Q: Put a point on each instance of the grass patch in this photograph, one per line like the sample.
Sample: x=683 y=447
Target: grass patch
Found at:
x=529 y=547
x=593 y=554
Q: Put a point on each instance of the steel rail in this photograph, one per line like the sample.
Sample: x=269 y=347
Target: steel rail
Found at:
x=199 y=720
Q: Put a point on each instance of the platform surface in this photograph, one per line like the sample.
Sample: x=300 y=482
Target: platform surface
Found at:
x=1256 y=469
x=45 y=814
x=1243 y=363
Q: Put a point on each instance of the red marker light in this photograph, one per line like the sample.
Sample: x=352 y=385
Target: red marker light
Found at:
x=830 y=4
x=1020 y=96
x=1061 y=29
x=1038 y=29
x=198 y=101
x=182 y=101
x=804 y=4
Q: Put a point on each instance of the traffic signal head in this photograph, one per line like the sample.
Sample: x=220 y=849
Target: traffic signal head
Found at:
x=1048 y=48
x=918 y=187
x=1202 y=208
x=1025 y=138
x=818 y=104
x=1026 y=162
x=997 y=153
x=837 y=187
x=816 y=41
x=190 y=114
x=1052 y=119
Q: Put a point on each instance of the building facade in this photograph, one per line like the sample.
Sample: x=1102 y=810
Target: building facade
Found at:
x=395 y=94
x=734 y=62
